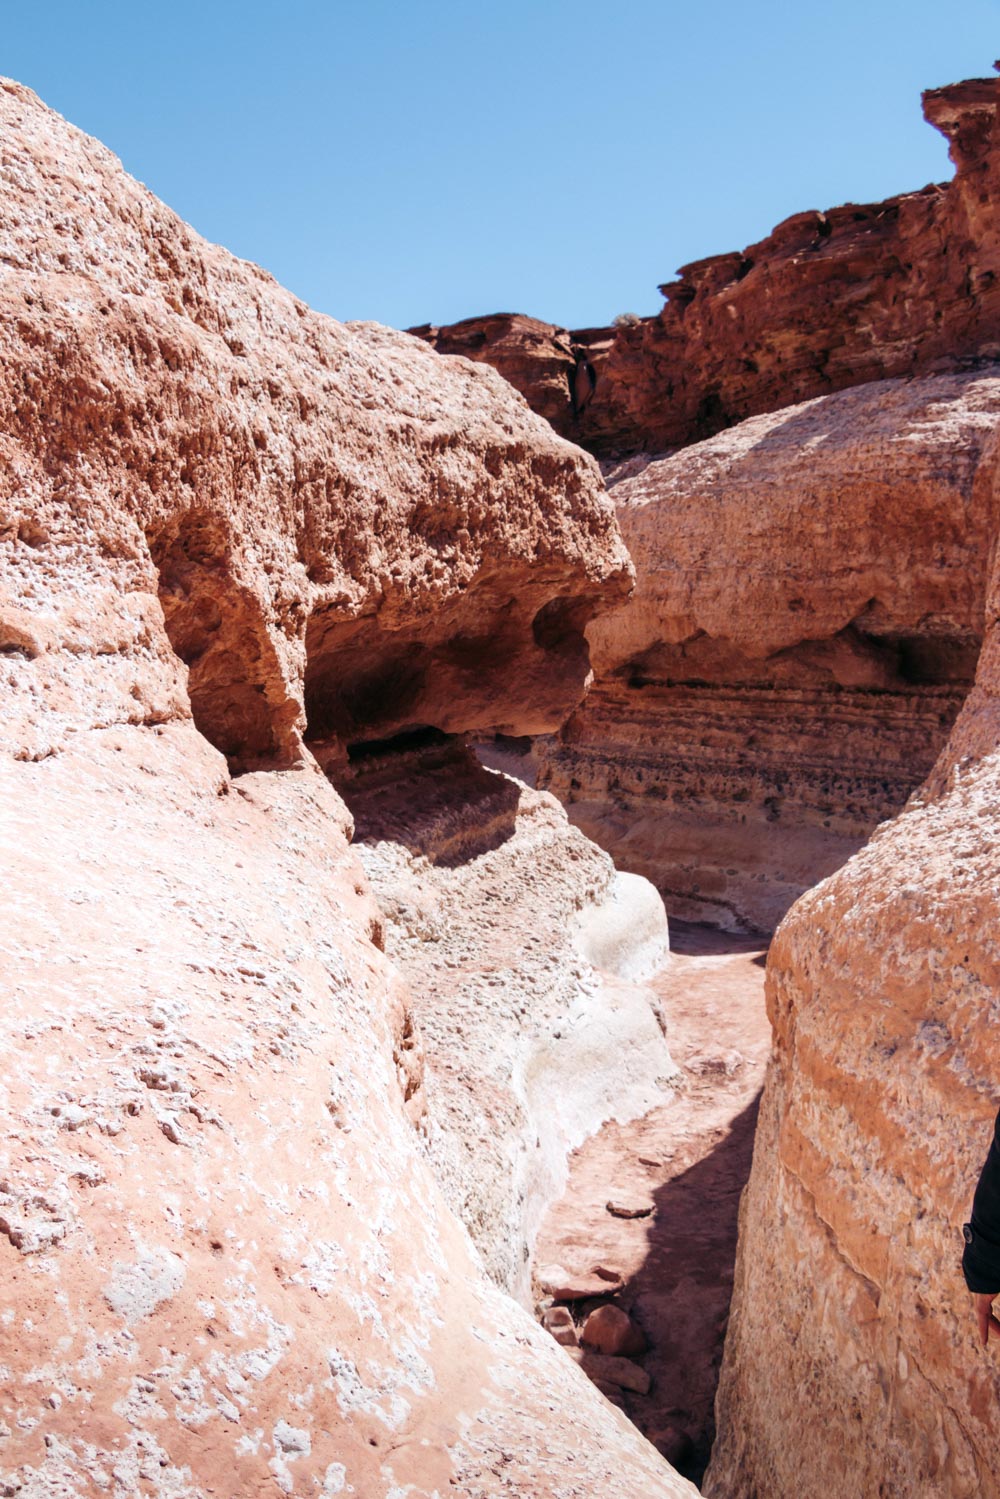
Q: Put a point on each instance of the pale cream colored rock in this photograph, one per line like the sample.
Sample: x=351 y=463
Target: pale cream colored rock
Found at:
x=530 y=1048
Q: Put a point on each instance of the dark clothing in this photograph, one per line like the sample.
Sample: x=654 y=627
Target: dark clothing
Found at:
x=981 y=1260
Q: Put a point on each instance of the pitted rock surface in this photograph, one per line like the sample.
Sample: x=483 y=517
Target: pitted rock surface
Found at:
x=226 y=1264
x=343 y=535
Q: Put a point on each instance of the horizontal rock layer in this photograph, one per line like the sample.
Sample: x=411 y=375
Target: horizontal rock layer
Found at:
x=225 y=1263
x=826 y=301
x=805 y=626
x=492 y=904
x=882 y=991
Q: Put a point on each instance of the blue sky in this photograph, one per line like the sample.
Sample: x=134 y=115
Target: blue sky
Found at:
x=424 y=162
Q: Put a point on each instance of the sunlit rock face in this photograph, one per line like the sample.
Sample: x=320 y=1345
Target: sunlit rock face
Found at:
x=232 y=530
x=298 y=499
x=805 y=627
x=825 y=302
x=882 y=989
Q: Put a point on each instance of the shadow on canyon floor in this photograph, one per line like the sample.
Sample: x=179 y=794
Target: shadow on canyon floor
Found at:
x=684 y=1165
x=680 y=1295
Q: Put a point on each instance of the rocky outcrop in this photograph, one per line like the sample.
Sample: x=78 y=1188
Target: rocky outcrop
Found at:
x=805 y=627
x=535 y=357
x=233 y=533
x=827 y=301
x=309 y=503
x=882 y=991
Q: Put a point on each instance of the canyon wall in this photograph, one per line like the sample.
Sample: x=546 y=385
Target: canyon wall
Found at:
x=805 y=627
x=812 y=603
x=852 y=1363
x=239 y=543
x=826 y=301
x=742 y=739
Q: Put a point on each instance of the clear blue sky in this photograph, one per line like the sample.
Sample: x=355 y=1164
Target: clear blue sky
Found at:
x=414 y=162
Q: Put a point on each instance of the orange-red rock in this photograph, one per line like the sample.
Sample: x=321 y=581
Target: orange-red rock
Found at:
x=228 y=524
x=826 y=301
x=610 y=1330
x=303 y=499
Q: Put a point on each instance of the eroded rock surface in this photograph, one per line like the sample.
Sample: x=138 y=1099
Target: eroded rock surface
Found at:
x=304 y=499
x=494 y=909
x=882 y=991
x=684 y=1164
x=225 y=1263
x=805 y=627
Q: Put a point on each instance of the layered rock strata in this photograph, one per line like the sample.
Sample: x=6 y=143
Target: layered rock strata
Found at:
x=882 y=991
x=231 y=529
x=828 y=300
x=494 y=907
x=805 y=627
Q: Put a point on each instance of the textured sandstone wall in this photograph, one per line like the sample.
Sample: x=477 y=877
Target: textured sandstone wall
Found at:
x=225 y=1263
x=826 y=301
x=805 y=626
x=882 y=989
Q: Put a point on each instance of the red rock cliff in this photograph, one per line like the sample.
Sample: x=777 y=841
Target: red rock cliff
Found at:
x=826 y=301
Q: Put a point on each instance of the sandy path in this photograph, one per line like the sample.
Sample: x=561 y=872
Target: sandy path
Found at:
x=689 y=1161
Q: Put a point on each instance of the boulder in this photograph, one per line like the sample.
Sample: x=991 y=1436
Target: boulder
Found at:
x=605 y=1369
x=610 y=1330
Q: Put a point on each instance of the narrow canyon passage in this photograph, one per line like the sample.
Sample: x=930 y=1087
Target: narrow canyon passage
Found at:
x=683 y=1166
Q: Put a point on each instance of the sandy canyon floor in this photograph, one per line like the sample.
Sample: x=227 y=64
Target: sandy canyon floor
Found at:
x=684 y=1166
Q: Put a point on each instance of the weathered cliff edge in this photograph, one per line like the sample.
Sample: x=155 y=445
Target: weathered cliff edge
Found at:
x=234 y=533
x=851 y=1363
x=828 y=300
x=805 y=627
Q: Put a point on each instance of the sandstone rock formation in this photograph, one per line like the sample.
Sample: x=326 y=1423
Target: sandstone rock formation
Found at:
x=233 y=531
x=491 y=903
x=882 y=990
x=805 y=626
x=686 y=1162
x=535 y=357
x=826 y=301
